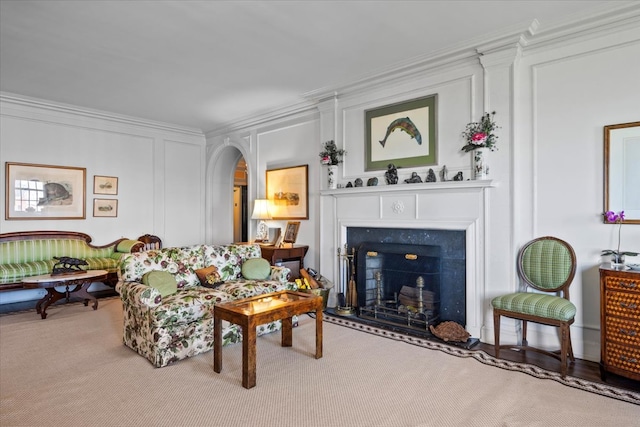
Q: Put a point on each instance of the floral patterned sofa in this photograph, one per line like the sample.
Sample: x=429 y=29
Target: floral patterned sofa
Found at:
x=180 y=325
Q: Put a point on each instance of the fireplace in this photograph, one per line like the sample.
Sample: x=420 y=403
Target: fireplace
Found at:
x=451 y=215
x=409 y=278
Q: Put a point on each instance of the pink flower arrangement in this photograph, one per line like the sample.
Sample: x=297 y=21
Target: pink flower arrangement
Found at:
x=480 y=134
x=331 y=154
x=479 y=138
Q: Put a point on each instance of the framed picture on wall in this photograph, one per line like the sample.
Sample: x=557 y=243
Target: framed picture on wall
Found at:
x=44 y=192
x=288 y=192
x=404 y=134
x=105 y=185
x=621 y=174
x=107 y=208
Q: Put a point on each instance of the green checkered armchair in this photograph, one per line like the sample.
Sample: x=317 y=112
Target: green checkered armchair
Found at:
x=548 y=265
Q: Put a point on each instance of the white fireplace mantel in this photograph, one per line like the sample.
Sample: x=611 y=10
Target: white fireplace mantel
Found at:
x=452 y=205
x=411 y=188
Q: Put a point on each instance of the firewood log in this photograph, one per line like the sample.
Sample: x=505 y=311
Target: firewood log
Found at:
x=312 y=282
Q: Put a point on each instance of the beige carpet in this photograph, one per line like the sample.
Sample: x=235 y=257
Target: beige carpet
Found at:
x=72 y=370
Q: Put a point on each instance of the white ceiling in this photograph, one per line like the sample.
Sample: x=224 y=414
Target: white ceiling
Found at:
x=204 y=64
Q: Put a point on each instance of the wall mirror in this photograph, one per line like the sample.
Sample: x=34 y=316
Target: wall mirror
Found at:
x=622 y=170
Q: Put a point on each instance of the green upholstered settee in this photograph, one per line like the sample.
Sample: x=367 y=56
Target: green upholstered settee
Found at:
x=31 y=253
x=168 y=328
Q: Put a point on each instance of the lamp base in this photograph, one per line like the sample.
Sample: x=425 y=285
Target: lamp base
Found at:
x=262 y=232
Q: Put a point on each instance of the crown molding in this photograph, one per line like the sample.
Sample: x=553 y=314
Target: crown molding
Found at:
x=41 y=104
x=607 y=20
x=512 y=42
x=286 y=112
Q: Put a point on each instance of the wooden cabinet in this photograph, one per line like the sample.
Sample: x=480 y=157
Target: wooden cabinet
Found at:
x=292 y=258
x=619 y=322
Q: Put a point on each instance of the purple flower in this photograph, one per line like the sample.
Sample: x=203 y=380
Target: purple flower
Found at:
x=616 y=218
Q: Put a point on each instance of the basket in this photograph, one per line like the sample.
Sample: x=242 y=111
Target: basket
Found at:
x=324 y=293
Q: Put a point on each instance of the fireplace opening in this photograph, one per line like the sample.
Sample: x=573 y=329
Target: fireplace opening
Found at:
x=442 y=266
x=399 y=284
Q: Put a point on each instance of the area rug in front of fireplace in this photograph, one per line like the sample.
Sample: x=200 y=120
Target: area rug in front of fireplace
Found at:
x=487 y=359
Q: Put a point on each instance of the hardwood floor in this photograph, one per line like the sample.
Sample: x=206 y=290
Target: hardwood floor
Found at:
x=583 y=369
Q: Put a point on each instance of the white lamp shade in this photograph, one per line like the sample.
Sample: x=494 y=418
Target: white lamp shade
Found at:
x=261 y=209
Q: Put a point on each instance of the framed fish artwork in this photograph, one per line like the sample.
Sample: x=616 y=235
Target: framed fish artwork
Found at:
x=404 y=134
x=44 y=192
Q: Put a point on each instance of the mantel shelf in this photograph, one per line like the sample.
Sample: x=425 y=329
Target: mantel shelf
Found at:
x=418 y=187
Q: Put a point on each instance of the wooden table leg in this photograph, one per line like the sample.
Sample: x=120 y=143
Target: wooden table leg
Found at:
x=41 y=301
x=319 y=333
x=249 y=355
x=81 y=292
x=217 y=344
x=52 y=296
x=287 y=332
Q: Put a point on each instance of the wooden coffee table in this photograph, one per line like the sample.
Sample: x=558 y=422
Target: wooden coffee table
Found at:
x=81 y=281
x=248 y=313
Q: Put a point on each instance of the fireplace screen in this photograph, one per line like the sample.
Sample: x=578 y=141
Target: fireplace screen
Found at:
x=399 y=284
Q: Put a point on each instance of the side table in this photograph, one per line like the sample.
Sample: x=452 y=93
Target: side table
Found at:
x=292 y=257
x=81 y=281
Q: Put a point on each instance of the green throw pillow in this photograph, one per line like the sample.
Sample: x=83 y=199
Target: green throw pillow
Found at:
x=163 y=281
x=256 y=269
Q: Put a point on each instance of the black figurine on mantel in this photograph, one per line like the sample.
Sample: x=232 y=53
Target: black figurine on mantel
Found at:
x=391 y=175
x=458 y=177
x=349 y=184
x=414 y=178
x=431 y=176
x=372 y=182
x=358 y=182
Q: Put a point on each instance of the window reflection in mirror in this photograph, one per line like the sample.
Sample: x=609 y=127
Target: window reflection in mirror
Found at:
x=622 y=170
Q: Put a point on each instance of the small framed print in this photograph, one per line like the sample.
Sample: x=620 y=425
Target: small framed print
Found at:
x=107 y=208
x=291 y=232
x=105 y=185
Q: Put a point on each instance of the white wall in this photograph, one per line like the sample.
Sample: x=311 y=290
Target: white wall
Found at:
x=576 y=90
x=160 y=171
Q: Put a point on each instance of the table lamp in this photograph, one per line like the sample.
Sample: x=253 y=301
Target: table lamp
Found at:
x=261 y=212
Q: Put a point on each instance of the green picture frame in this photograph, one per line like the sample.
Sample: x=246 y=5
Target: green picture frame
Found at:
x=404 y=134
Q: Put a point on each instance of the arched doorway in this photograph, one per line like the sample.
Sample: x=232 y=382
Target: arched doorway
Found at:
x=223 y=161
x=240 y=202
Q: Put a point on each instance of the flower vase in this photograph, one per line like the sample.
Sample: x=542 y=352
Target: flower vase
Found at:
x=617 y=261
x=480 y=165
x=333 y=176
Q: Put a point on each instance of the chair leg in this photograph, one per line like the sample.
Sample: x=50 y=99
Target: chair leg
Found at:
x=496 y=332
x=524 y=333
x=564 y=328
x=571 y=357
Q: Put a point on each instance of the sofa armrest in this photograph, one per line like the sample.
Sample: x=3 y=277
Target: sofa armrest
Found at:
x=281 y=274
x=137 y=294
x=126 y=246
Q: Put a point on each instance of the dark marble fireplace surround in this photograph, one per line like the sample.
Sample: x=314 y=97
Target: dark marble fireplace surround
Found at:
x=453 y=261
